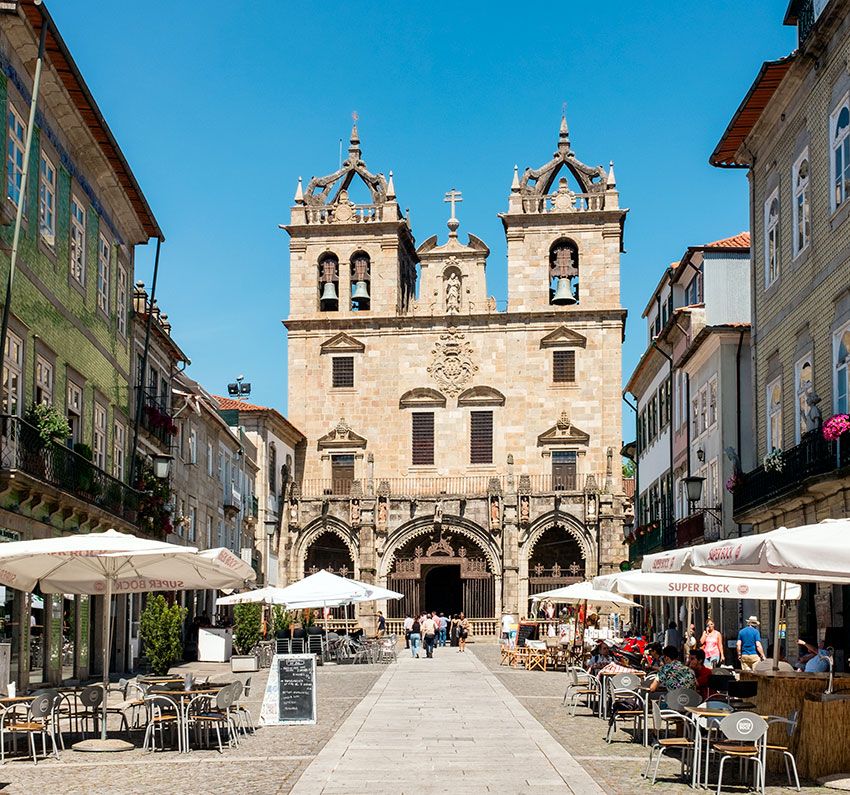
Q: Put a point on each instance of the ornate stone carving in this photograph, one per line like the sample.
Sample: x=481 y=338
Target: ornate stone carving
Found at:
x=524 y=510
x=383 y=514
x=453 y=294
x=524 y=484
x=354 y=513
x=495 y=513
x=452 y=365
x=438 y=512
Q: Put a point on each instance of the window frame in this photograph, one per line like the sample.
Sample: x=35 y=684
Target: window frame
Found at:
x=426 y=447
x=15 y=151
x=567 y=366
x=119 y=449
x=799 y=394
x=43 y=366
x=837 y=368
x=104 y=266
x=772 y=413
x=75 y=408
x=77 y=229
x=336 y=370
x=837 y=142
x=100 y=434
x=121 y=300
x=771 y=233
x=13 y=365
x=802 y=200
x=479 y=459
x=47 y=186
x=713 y=412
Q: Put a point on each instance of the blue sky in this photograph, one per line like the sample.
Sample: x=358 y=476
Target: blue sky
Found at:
x=220 y=106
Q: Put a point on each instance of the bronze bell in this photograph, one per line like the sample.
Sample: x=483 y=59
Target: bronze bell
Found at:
x=564 y=292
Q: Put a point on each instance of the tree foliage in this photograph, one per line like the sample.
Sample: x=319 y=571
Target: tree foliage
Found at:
x=247 y=620
x=160 y=626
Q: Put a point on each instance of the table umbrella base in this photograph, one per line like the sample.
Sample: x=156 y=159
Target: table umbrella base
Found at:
x=102 y=746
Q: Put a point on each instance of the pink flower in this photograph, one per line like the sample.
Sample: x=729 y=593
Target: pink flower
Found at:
x=835 y=426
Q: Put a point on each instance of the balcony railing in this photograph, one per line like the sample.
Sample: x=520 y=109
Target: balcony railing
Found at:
x=460 y=486
x=567 y=201
x=23 y=449
x=647 y=539
x=812 y=459
x=345 y=213
x=156 y=420
x=690 y=529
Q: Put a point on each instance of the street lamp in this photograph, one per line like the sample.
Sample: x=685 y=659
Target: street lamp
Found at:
x=693 y=487
x=162 y=466
x=271 y=529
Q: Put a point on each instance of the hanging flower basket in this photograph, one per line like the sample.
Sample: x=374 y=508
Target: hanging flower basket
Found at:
x=733 y=482
x=836 y=426
x=774 y=461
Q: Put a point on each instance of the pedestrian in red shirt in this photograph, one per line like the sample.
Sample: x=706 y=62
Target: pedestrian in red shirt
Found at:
x=696 y=662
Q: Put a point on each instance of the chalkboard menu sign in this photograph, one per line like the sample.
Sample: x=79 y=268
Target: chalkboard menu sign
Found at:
x=526 y=632
x=290 y=695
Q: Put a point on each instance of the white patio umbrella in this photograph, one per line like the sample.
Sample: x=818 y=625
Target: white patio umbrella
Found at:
x=585 y=592
x=643 y=583
x=113 y=562
x=270 y=595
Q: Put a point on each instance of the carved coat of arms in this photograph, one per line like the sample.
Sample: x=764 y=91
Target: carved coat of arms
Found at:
x=452 y=365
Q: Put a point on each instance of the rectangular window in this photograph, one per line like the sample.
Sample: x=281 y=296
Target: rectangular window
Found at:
x=693 y=292
x=703 y=410
x=481 y=437
x=209 y=532
x=662 y=406
x=841 y=345
x=183 y=517
x=803 y=382
x=771 y=238
x=78 y=241
x=343 y=372
x=774 y=415
x=209 y=459
x=839 y=136
x=43 y=381
x=99 y=437
x=193 y=523
x=75 y=413
x=193 y=446
x=423 y=438
x=15 y=143
x=119 y=450
x=103 y=274
x=712 y=402
x=121 y=301
x=695 y=416
x=13 y=375
x=564 y=367
x=563 y=470
x=802 y=209
x=47 y=200
x=342 y=473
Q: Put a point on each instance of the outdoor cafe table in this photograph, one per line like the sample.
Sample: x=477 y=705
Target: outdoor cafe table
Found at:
x=612 y=669
x=182 y=701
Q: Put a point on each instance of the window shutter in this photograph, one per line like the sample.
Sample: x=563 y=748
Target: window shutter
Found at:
x=563 y=367
x=481 y=437
x=423 y=437
x=343 y=371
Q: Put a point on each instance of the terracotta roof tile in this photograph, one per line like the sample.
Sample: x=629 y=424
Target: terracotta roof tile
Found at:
x=741 y=240
x=229 y=404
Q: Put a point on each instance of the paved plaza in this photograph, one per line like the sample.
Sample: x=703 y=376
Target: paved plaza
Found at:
x=458 y=723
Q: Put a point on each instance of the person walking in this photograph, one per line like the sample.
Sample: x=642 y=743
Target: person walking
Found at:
x=672 y=637
x=711 y=643
x=453 y=625
x=382 y=625
x=444 y=625
x=463 y=632
x=415 y=637
x=749 y=646
x=408 y=625
x=429 y=633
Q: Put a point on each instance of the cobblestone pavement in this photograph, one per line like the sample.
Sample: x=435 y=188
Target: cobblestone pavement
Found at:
x=615 y=767
x=442 y=725
x=268 y=762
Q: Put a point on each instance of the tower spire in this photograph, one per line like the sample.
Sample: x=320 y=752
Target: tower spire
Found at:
x=354 y=141
x=564 y=132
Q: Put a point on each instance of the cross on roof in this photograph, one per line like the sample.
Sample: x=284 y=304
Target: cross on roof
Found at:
x=453 y=196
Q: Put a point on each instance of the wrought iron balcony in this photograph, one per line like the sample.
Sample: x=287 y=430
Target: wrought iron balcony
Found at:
x=156 y=420
x=690 y=530
x=23 y=450
x=812 y=461
x=647 y=538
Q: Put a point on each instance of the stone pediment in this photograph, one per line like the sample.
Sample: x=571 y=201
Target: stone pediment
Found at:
x=422 y=397
x=563 y=432
x=342 y=343
x=341 y=437
x=563 y=337
x=481 y=396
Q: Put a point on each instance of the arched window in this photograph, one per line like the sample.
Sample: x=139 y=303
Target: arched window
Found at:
x=563 y=273
x=840 y=139
x=272 y=469
x=842 y=371
x=771 y=239
x=361 y=281
x=802 y=210
x=329 y=283
x=774 y=415
x=803 y=377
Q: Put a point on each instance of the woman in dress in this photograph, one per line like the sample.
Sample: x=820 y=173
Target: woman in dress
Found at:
x=453 y=624
x=711 y=643
x=462 y=631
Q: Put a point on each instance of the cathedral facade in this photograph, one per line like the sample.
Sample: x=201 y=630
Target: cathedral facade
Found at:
x=465 y=456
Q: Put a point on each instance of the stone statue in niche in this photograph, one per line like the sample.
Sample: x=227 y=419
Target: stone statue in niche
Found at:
x=355 y=513
x=382 y=513
x=293 y=513
x=495 y=514
x=438 y=512
x=453 y=294
x=524 y=510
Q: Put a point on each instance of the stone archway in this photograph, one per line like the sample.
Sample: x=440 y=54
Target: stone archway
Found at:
x=336 y=535
x=447 y=568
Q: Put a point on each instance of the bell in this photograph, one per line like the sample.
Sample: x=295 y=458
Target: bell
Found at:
x=329 y=293
x=361 y=292
x=563 y=293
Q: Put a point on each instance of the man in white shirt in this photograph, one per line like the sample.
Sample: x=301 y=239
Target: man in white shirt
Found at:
x=429 y=634
x=408 y=625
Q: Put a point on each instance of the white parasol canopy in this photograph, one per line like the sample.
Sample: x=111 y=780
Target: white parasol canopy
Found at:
x=643 y=583
x=321 y=589
x=113 y=562
x=673 y=561
x=585 y=592
x=810 y=553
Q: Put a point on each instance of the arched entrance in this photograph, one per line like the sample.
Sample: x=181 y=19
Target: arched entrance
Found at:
x=442 y=571
x=556 y=560
x=328 y=551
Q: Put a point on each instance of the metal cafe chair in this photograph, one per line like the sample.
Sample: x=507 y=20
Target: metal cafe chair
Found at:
x=218 y=717
x=625 y=703
x=790 y=762
x=661 y=720
x=37 y=720
x=743 y=733
x=162 y=712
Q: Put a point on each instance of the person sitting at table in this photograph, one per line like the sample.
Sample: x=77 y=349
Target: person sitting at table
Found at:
x=816 y=661
x=702 y=673
x=652 y=657
x=673 y=674
x=600 y=657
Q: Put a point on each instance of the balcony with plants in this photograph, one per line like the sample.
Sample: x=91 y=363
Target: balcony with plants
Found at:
x=795 y=474
x=156 y=420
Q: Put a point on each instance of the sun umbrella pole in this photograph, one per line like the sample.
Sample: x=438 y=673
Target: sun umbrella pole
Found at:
x=107 y=614
x=777 y=614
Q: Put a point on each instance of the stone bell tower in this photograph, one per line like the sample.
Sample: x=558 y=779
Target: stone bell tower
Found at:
x=346 y=259
x=564 y=238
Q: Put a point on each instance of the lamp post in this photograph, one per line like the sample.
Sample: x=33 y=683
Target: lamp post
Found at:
x=271 y=529
x=162 y=466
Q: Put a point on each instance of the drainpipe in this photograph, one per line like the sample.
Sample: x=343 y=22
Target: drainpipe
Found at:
x=19 y=214
x=688 y=419
x=738 y=404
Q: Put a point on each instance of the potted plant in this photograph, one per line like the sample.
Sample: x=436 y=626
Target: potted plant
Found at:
x=45 y=424
x=247 y=621
x=160 y=627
